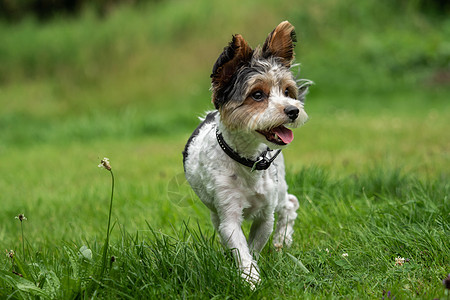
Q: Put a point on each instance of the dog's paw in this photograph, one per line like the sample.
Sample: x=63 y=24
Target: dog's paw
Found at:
x=251 y=275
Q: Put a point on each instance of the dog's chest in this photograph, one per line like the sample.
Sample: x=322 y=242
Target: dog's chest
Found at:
x=260 y=195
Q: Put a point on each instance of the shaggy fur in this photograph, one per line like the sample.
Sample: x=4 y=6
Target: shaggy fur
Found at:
x=257 y=98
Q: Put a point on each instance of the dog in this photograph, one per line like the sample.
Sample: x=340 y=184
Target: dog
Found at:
x=233 y=159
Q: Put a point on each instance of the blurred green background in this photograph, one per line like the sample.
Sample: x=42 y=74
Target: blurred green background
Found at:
x=128 y=80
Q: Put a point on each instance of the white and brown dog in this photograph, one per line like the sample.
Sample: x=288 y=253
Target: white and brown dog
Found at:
x=233 y=159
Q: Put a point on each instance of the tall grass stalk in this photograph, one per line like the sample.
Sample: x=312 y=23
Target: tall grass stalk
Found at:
x=105 y=164
x=21 y=218
x=23 y=241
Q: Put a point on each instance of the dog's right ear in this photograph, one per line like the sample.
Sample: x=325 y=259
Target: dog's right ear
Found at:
x=280 y=43
x=235 y=55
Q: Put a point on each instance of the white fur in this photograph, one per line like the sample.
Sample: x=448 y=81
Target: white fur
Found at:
x=233 y=193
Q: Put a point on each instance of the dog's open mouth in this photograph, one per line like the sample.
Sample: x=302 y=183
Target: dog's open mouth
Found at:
x=279 y=135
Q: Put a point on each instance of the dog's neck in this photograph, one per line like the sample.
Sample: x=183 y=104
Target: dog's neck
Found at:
x=244 y=143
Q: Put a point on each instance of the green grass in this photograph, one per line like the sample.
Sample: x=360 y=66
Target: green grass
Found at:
x=373 y=218
x=370 y=167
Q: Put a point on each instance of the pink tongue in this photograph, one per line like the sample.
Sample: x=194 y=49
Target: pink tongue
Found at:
x=284 y=134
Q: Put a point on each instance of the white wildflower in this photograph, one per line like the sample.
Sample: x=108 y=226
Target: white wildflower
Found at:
x=104 y=163
x=21 y=217
x=399 y=261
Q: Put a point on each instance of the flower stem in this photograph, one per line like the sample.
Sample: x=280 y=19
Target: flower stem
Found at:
x=23 y=241
x=106 y=246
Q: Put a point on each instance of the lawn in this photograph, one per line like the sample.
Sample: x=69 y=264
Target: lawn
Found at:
x=370 y=168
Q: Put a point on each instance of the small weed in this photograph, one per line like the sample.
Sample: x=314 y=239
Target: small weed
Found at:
x=21 y=218
x=106 y=165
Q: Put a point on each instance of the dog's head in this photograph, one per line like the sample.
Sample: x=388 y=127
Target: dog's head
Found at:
x=255 y=90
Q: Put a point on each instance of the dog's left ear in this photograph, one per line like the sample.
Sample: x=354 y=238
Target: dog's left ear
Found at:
x=280 y=43
x=234 y=56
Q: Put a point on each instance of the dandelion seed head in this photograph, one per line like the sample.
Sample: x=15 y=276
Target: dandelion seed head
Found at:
x=21 y=217
x=104 y=163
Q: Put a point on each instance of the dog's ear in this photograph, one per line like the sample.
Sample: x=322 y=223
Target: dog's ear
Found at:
x=235 y=55
x=280 y=43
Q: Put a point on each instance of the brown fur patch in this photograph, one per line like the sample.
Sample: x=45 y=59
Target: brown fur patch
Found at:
x=259 y=85
x=255 y=106
x=238 y=116
x=232 y=58
x=280 y=43
x=292 y=89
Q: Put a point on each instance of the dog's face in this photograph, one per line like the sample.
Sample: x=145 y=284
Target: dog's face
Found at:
x=255 y=91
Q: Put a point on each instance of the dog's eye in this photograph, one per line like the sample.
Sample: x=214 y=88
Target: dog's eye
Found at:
x=258 y=96
x=286 y=92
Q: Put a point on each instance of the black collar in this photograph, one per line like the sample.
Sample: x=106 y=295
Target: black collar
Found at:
x=262 y=163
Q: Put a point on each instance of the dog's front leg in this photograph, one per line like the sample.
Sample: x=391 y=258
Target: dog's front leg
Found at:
x=233 y=238
x=260 y=233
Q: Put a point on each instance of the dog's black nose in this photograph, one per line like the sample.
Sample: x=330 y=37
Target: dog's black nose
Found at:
x=291 y=111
